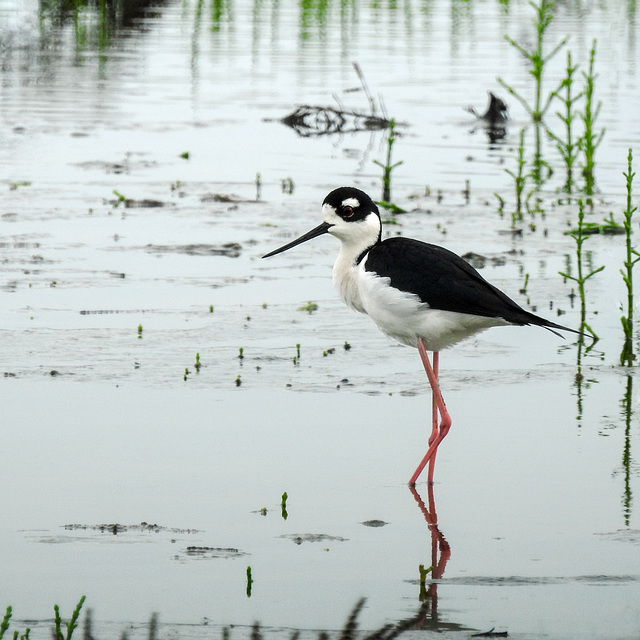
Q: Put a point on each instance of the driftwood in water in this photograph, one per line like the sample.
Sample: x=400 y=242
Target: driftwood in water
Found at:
x=308 y=121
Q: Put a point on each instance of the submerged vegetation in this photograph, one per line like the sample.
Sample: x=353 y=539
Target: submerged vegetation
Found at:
x=350 y=631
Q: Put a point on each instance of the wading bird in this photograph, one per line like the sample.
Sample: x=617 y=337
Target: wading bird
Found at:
x=421 y=294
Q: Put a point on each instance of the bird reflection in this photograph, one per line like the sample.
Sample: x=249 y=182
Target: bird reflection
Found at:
x=494 y=119
x=440 y=554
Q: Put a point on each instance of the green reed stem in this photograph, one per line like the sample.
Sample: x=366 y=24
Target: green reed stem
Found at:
x=567 y=146
x=4 y=625
x=388 y=167
x=580 y=236
x=71 y=625
x=590 y=139
x=632 y=256
x=520 y=180
x=537 y=60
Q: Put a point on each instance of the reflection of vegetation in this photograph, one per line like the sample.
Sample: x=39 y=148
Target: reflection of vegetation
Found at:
x=537 y=60
x=95 y=23
x=627 y=408
x=350 y=631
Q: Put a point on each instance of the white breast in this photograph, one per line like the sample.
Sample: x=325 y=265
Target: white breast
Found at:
x=405 y=318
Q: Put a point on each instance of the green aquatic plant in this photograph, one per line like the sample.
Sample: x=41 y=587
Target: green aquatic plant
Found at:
x=423 y=581
x=388 y=167
x=23 y=183
x=197 y=365
x=139 y=331
x=283 y=506
x=4 y=625
x=537 y=60
x=240 y=353
x=249 y=582
x=591 y=138
x=391 y=208
x=580 y=237
x=519 y=181
x=632 y=257
x=287 y=185
x=71 y=625
x=567 y=145
x=523 y=289
x=310 y=307
x=120 y=199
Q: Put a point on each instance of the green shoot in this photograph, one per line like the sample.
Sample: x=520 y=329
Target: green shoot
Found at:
x=632 y=257
x=249 y=582
x=4 y=625
x=310 y=307
x=120 y=199
x=579 y=236
x=537 y=60
x=423 y=581
x=567 y=146
x=590 y=139
x=520 y=180
x=387 y=168
x=287 y=185
x=71 y=625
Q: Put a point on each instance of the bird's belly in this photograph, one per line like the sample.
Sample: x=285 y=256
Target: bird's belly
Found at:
x=405 y=318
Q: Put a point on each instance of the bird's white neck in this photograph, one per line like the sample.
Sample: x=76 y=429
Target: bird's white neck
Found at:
x=355 y=239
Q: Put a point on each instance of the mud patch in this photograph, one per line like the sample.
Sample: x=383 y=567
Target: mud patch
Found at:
x=229 y=249
x=207 y=553
x=117 y=529
x=299 y=538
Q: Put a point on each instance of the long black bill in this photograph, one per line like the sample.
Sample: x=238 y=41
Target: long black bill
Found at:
x=318 y=231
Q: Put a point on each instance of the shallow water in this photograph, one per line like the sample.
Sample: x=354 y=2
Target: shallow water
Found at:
x=537 y=481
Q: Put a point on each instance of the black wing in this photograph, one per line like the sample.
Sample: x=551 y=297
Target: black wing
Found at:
x=445 y=281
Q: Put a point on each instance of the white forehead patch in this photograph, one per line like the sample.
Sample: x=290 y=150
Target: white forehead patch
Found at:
x=351 y=202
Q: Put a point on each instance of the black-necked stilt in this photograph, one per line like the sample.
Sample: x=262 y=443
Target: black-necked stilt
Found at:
x=421 y=294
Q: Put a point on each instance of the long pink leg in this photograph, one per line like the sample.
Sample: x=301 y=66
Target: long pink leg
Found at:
x=434 y=411
x=438 y=431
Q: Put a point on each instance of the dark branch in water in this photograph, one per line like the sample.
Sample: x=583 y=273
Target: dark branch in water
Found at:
x=308 y=121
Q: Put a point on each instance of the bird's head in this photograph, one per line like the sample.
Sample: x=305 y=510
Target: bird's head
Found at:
x=350 y=215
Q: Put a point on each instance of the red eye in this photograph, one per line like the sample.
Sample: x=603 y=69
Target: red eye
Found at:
x=347 y=211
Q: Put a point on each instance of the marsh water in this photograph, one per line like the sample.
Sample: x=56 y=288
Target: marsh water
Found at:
x=163 y=386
